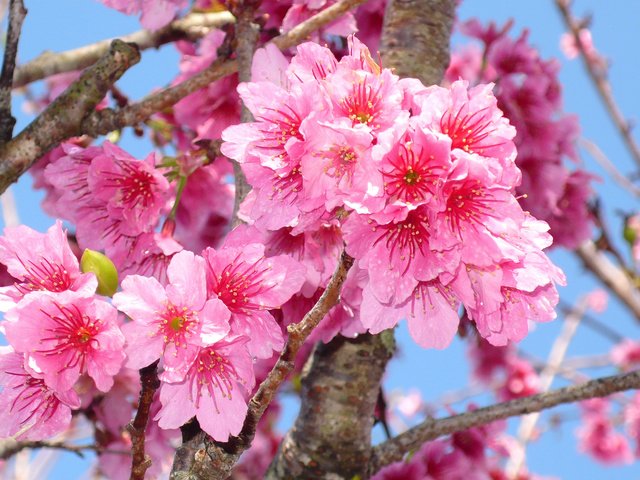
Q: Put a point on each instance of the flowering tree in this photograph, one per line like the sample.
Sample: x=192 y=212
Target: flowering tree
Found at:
x=302 y=197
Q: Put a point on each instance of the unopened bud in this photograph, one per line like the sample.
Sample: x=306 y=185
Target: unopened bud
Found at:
x=630 y=234
x=103 y=268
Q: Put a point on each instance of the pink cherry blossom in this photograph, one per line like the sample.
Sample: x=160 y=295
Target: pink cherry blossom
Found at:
x=213 y=390
x=67 y=335
x=132 y=189
x=599 y=439
x=40 y=262
x=626 y=354
x=171 y=322
x=154 y=14
x=30 y=409
x=250 y=284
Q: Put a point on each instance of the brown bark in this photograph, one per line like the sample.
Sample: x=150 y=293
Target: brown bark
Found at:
x=331 y=437
x=17 y=13
x=63 y=118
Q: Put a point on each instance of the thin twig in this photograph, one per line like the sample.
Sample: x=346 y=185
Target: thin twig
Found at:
x=150 y=383
x=192 y=26
x=17 y=13
x=63 y=118
x=598 y=155
x=594 y=324
x=548 y=374
x=108 y=120
x=612 y=276
x=599 y=79
x=395 y=449
x=9 y=447
x=217 y=460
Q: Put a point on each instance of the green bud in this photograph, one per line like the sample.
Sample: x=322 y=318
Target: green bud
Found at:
x=629 y=234
x=103 y=268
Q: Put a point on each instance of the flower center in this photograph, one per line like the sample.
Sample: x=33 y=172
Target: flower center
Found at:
x=468 y=131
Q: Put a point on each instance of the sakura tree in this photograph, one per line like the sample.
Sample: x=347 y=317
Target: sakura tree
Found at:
x=317 y=178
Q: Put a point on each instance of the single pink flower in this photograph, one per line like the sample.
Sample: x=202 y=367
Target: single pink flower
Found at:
x=67 y=335
x=132 y=189
x=171 y=322
x=40 y=262
x=431 y=311
x=250 y=285
x=30 y=409
x=214 y=390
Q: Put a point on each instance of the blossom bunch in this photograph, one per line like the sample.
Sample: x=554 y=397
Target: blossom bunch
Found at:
x=530 y=96
x=419 y=182
x=58 y=330
x=115 y=201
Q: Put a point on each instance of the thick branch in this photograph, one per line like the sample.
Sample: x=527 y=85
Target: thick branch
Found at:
x=395 y=449
x=613 y=277
x=205 y=460
x=149 y=383
x=46 y=64
x=246 y=37
x=331 y=437
x=17 y=13
x=599 y=79
x=415 y=38
x=105 y=121
x=64 y=116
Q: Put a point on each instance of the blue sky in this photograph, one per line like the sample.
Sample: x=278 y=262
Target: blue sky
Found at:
x=63 y=24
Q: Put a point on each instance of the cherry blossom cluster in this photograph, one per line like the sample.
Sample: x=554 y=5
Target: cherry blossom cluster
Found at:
x=419 y=182
x=205 y=326
x=530 y=96
x=115 y=201
x=58 y=330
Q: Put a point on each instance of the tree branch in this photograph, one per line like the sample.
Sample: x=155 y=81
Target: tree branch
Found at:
x=9 y=447
x=105 y=121
x=599 y=78
x=203 y=459
x=414 y=31
x=194 y=25
x=246 y=36
x=150 y=383
x=395 y=449
x=17 y=13
x=613 y=277
x=63 y=118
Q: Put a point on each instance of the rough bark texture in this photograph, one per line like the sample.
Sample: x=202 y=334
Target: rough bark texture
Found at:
x=17 y=13
x=247 y=37
x=331 y=438
x=332 y=435
x=415 y=38
x=64 y=116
